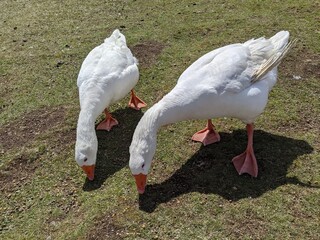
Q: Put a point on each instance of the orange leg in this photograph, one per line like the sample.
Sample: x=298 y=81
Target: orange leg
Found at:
x=207 y=135
x=108 y=122
x=246 y=162
x=135 y=102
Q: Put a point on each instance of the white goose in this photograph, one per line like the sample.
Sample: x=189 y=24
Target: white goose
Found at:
x=107 y=74
x=232 y=81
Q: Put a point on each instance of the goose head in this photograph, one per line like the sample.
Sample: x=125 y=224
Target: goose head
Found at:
x=85 y=156
x=142 y=150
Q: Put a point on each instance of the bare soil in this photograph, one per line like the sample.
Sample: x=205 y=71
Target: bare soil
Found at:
x=302 y=63
x=147 y=52
x=16 y=174
x=20 y=133
x=25 y=129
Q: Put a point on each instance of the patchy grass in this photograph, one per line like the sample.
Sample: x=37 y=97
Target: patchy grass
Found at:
x=193 y=192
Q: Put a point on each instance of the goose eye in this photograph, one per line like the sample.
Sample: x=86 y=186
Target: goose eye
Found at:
x=142 y=166
x=86 y=159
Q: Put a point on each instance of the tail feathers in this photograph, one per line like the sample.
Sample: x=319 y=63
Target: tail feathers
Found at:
x=280 y=40
x=116 y=33
x=274 y=60
x=259 y=48
x=117 y=38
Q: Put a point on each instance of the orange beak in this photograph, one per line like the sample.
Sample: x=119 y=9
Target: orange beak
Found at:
x=141 y=182
x=89 y=170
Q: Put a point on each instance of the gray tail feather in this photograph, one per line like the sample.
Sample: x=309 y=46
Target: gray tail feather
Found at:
x=272 y=62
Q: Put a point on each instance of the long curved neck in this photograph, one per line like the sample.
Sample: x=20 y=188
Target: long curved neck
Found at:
x=86 y=125
x=90 y=99
x=144 y=141
x=174 y=107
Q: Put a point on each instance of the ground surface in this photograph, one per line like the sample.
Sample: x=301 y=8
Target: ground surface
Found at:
x=193 y=191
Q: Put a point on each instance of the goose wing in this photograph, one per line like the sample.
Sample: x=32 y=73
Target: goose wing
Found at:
x=225 y=69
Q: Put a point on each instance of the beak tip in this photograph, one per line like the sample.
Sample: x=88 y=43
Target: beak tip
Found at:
x=89 y=171
x=91 y=178
x=141 y=191
x=141 y=182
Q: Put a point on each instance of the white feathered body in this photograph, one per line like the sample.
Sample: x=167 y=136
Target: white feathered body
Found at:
x=219 y=84
x=107 y=74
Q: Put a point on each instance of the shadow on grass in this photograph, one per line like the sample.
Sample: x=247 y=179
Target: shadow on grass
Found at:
x=113 y=147
x=210 y=169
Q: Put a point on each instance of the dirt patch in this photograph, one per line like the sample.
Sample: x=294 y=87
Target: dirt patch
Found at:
x=301 y=64
x=28 y=127
x=147 y=52
x=105 y=229
x=17 y=173
x=19 y=133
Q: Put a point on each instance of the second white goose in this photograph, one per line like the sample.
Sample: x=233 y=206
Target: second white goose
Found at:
x=232 y=81
x=107 y=74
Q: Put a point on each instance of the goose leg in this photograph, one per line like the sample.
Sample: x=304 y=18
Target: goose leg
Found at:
x=135 y=102
x=207 y=135
x=108 y=122
x=246 y=162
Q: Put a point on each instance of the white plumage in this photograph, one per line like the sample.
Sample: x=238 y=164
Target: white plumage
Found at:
x=232 y=81
x=107 y=74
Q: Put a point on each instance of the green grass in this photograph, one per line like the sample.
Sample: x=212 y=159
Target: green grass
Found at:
x=193 y=191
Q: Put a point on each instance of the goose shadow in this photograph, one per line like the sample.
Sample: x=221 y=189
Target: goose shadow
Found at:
x=113 y=147
x=210 y=170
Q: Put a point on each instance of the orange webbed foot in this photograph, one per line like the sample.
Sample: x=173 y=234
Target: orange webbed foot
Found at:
x=108 y=122
x=246 y=163
x=135 y=102
x=207 y=135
